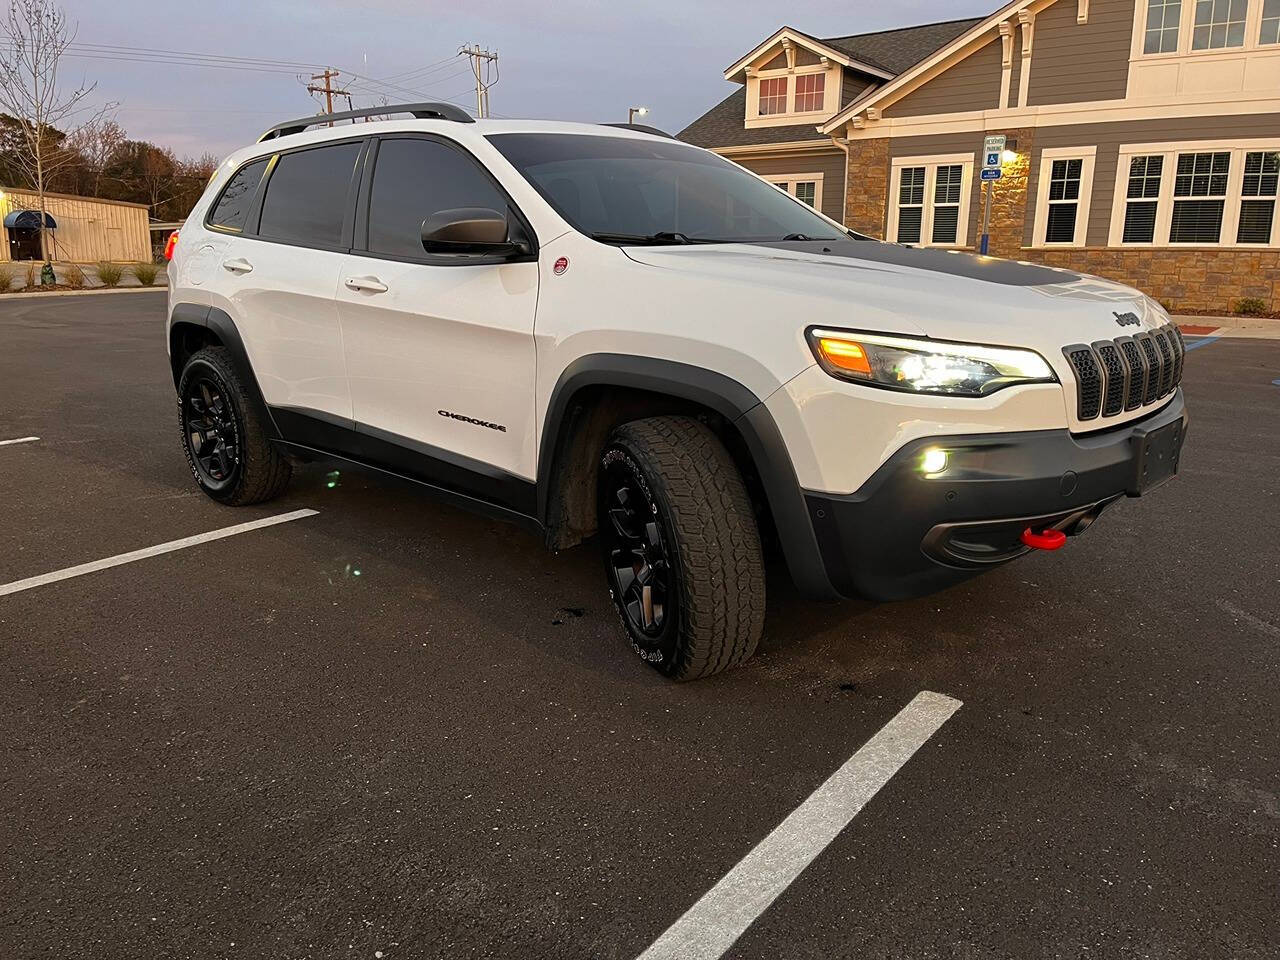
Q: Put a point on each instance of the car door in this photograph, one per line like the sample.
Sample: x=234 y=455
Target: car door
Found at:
x=440 y=352
x=280 y=274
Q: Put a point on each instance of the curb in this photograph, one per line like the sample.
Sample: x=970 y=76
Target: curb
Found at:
x=18 y=295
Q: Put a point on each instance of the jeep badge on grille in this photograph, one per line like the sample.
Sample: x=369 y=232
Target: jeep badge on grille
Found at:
x=1127 y=319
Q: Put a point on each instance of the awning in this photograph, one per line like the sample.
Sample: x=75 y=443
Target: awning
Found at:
x=28 y=220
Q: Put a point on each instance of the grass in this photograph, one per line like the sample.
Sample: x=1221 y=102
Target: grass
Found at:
x=146 y=273
x=6 y=279
x=73 y=276
x=110 y=273
x=33 y=274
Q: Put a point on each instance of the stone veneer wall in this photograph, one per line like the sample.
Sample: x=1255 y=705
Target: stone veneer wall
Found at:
x=867 y=190
x=1201 y=280
x=1009 y=198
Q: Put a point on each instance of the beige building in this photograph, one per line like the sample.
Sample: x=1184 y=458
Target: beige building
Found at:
x=1143 y=135
x=81 y=229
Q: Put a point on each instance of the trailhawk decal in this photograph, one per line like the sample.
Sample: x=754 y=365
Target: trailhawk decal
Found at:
x=478 y=423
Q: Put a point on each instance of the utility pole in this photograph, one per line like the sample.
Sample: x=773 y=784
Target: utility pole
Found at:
x=328 y=90
x=484 y=64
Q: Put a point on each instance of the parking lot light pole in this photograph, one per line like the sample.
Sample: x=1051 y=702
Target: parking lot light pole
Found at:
x=633 y=112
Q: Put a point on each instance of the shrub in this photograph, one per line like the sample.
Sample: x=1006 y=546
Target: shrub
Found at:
x=146 y=273
x=1251 y=307
x=33 y=272
x=73 y=276
x=110 y=273
x=6 y=279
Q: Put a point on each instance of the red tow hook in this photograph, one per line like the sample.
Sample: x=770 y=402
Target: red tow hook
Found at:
x=1048 y=540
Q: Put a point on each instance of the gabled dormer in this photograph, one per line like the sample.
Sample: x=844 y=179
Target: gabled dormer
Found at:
x=793 y=78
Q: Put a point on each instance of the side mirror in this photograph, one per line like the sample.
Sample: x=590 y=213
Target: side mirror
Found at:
x=469 y=230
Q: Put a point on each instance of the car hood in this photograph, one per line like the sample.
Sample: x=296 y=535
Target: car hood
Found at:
x=869 y=285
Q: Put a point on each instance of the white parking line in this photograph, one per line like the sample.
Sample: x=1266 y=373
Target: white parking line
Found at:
x=5 y=443
x=709 y=928
x=66 y=574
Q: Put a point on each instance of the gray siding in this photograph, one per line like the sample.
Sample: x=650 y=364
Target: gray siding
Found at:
x=1109 y=137
x=1073 y=62
x=854 y=86
x=972 y=84
x=829 y=163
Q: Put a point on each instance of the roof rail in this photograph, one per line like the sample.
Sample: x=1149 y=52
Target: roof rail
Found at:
x=421 y=111
x=640 y=128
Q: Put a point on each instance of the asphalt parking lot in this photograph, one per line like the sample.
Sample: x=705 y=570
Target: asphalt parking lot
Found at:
x=392 y=729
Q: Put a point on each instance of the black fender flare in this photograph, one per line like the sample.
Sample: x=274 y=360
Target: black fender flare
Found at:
x=726 y=396
x=219 y=323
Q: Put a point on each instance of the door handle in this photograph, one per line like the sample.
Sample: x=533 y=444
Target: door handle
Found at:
x=238 y=265
x=368 y=284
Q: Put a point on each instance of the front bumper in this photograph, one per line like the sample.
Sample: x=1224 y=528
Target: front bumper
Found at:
x=904 y=535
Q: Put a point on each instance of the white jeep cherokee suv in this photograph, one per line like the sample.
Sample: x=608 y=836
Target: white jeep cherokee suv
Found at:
x=589 y=330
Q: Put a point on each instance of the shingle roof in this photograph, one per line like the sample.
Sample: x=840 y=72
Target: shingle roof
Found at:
x=892 y=50
x=898 y=50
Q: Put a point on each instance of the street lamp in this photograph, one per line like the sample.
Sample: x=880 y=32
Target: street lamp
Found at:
x=633 y=112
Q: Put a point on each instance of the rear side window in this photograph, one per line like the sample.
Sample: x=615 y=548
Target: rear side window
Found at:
x=233 y=206
x=415 y=178
x=306 y=199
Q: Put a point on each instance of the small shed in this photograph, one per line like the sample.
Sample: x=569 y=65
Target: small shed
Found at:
x=81 y=229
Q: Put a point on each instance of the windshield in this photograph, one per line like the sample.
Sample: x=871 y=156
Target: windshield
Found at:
x=625 y=190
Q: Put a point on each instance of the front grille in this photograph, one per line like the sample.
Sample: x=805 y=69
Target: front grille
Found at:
x=1088 y=381
x=1137 y=373
x=1153 y=367
x=1115 y=376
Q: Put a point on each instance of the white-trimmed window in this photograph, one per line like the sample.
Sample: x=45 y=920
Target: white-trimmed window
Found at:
x=1164 y=20
x=1207 y=194
x=810 y=90
x=1200 y=197
x=1064 y=196
x=930 y=200
x=1209 y=28
x=1219 y=24
x=805 y=187
x=773 y=96
x=1270 y=22
x=1142 y=198
x=1258 y=197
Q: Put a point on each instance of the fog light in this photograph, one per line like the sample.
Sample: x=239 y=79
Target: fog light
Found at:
x=933 y=462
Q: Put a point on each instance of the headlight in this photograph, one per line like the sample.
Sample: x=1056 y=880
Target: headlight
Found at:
x=926 y=366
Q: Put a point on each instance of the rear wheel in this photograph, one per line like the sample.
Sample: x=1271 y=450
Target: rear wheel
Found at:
x=682 y=550
x=226 y=445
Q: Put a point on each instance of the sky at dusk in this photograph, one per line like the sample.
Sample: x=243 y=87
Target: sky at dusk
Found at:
x=568 y=60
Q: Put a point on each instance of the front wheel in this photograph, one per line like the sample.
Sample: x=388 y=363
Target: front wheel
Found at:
x=227 y=447
x=682 y=550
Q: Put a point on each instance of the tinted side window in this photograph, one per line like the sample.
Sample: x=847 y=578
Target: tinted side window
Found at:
x=233 y=206
x=414 y=179
x=307 y=195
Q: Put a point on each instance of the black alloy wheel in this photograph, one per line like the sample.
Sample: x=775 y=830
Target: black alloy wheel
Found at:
x=212 y=430
x=639 y=557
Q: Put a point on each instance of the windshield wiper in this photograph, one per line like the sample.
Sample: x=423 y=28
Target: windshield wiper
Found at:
x=662 y=237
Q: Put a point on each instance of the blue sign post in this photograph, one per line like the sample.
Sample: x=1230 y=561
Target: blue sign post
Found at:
x=992 y=152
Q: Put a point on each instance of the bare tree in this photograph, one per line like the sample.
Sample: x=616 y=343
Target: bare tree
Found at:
x=97 y=143
x=33 y=38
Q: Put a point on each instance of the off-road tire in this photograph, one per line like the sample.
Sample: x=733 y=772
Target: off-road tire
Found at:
x=698 y=497
x=261 y=472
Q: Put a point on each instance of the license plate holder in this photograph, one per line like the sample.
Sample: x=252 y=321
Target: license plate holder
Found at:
x=1156 y=456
